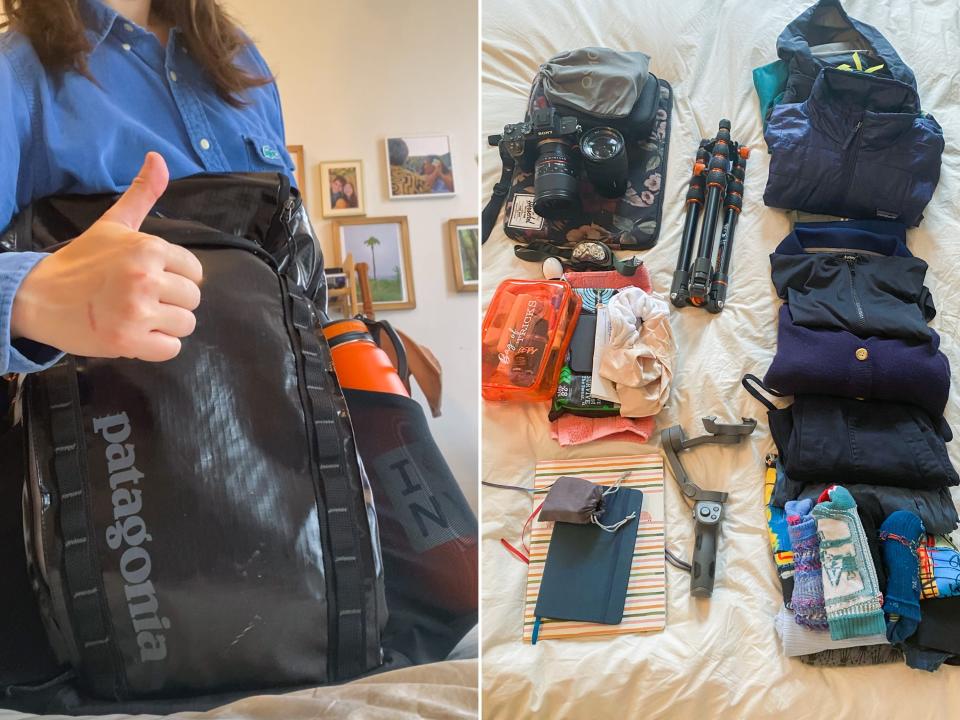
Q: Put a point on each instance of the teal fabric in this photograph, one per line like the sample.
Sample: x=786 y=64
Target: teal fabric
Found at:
x=770 y=81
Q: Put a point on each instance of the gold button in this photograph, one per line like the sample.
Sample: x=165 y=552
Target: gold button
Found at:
x=862 y=354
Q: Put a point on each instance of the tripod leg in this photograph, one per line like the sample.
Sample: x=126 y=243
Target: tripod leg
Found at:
x=733 y=205
x=679 y=289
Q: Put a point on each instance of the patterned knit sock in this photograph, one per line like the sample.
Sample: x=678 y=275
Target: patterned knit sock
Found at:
x=807 y=599
x=850 y=587
x=900 y=537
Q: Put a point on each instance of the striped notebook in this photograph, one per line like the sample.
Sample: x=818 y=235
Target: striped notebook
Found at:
x=646 y=606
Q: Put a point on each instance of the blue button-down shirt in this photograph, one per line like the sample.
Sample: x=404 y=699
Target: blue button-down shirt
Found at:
x=70 y=135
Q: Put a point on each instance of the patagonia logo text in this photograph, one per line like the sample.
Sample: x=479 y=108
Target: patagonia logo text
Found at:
x=129 y=532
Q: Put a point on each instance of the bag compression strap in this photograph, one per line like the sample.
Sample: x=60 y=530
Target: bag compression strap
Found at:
x=85 y=597
x=333 y=443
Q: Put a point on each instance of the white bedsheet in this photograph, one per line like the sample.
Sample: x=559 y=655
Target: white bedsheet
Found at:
x=717 y=657
x=441 y=691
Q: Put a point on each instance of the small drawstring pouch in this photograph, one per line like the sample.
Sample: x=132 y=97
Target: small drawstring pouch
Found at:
x=572 y=500
x=579 y=501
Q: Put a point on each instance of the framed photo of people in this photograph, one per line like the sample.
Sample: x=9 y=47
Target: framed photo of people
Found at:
x=341 y=188
x=383 y=243
x=419 y=166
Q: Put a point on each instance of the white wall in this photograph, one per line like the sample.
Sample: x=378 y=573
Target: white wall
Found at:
x=351 y=73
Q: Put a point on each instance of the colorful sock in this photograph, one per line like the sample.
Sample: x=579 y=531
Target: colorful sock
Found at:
x=778 y=531
x=850 y=588
x=900 y=538
x=939 y=567
x=807 y=599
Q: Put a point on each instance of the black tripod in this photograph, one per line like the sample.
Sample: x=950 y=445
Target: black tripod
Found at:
x=704 y=283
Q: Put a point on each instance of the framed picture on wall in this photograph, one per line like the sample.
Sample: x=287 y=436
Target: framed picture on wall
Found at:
x=300 y=169
x=464 y=244
x=383 y=243
x=341 y=188
x=419 y=166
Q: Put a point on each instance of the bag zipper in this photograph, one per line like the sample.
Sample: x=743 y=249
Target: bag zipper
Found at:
x=851 y=261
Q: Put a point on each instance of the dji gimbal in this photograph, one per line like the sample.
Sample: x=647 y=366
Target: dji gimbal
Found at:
x=708 y=504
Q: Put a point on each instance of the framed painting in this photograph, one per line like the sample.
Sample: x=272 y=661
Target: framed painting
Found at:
x=383 y=243
x=464 y=238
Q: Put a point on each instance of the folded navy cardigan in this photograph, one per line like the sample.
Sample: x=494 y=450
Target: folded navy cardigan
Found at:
x=823 y=361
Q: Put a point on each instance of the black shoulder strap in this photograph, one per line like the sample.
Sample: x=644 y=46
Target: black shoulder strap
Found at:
x=340 y=500
x=83 y=586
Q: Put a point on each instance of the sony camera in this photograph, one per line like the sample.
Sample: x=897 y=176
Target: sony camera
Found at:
x=554 y=147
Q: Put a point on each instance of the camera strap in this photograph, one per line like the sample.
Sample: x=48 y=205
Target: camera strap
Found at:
x=501 y=189
x=584 y=256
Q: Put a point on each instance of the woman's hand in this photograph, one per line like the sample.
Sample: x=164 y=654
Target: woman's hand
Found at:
x=114 y=291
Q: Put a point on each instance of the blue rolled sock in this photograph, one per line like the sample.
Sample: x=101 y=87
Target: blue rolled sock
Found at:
x=900 y=537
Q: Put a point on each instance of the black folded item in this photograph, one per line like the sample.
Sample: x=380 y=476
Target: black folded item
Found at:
x=937 y=638
x=201 y=525
x=587 y=570
x=582 y=344
x=822 y=437
x=934 y=507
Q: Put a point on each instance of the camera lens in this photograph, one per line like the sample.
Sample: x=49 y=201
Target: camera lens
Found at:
x=555 y=180
x=605 y=160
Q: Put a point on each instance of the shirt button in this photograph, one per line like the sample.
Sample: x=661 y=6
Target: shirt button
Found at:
x=862 y=354
x=128 y=27
x=204 y=143
x=173 y=76
x=126 y=46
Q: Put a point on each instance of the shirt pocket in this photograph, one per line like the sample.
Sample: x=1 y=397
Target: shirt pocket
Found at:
x=267 y=154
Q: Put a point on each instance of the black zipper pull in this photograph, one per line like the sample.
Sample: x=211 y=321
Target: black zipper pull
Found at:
x=853 y=134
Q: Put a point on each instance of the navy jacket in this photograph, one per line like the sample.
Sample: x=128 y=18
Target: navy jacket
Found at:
x=837 y=362
x=821 y=438
x=824 y=35
x=858 y=147
x=856 y=276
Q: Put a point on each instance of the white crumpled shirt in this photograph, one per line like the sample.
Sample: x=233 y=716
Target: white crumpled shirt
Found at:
x=639 y=356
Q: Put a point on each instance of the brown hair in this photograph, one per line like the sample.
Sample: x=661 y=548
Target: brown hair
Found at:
x=56 y=31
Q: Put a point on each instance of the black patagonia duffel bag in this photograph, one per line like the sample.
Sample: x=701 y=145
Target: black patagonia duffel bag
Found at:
x=197 y=527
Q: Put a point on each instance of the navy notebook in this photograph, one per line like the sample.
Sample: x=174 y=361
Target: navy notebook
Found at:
x=587 y=570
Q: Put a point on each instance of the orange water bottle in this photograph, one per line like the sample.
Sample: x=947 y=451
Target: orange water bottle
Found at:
x=359 y=361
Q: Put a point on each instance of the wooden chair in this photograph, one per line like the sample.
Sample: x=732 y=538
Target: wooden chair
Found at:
x=363 y=279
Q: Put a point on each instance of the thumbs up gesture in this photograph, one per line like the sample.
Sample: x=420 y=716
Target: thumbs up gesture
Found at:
x=114 y=291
